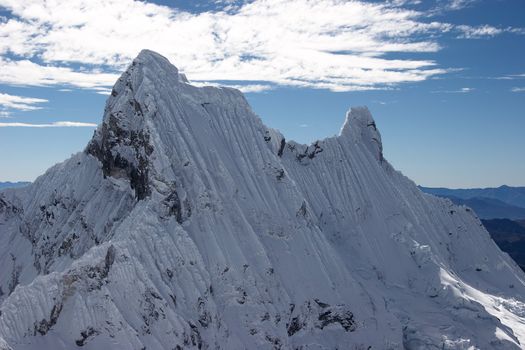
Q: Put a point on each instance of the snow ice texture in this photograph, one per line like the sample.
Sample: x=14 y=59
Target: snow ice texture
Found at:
x=188 y=224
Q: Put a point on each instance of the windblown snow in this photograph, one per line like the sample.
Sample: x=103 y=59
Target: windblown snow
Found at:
x=188 y=224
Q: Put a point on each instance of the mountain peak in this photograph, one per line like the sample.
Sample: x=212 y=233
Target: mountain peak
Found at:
x=150 y=98
x=122 y=141
x=149 y=55
x=360 y=127
x=154 y=63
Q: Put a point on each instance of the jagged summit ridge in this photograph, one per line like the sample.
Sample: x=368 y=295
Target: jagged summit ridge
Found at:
x=187 y=223
x=123 y=141
x=139 y=107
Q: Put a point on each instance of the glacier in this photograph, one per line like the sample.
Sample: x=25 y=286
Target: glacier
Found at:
x=186 y=223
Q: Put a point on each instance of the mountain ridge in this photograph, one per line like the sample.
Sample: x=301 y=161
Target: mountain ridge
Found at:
x=188 y=223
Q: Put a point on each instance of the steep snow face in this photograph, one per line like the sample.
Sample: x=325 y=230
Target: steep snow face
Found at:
x=186 y=223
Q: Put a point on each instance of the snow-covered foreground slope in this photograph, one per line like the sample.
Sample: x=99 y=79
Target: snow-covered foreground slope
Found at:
x=186 y=223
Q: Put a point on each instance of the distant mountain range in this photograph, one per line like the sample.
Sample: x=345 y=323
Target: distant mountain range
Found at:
x=13 y=184
x=514 y=196
x=503 y=202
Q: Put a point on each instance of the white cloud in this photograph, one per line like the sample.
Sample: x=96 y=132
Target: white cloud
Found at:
x=511 y=77
x=404 y=2
x=102 y=90
x=243 y=88
x=470 y=32
x=20 y=102
x=251 y=87
x=518 y=89
x=443 y=6
x=25 y=72
x=520 y=31
x=459 y=4
x=330 y=44
x=61 y=124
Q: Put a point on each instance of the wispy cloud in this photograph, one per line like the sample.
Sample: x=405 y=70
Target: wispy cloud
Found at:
x=443 y=6
x=518 y=89
x=244 y=88
x=102 y=90
x=458 y=4
x=511 y=77
x=380 y=102
x=25 y=72
x=62 y=124
x=458 y=91
x=251 y=87
x=484 y=31
x=328 y=44
x=20 y=103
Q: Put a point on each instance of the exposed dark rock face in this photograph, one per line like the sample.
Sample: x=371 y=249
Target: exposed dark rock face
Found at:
x=344 y=317
x=112 y=137
x=100 y=272
x=319 y=315
x=94 y=276
x=152 y=310
x=204 y=316
x=314 y=149
x=45 y=325
x=295 y=326
x=15 y=275
x=194 y=337
x=174 y=205
x=309 y=152
x=281 y=147
x=85 y=336
x=109 y=260
x=122 y=143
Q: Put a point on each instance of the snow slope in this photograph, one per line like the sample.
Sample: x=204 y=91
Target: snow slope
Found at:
x=187 y=223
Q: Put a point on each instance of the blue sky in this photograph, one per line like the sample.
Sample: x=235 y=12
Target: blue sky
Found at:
x=445 y=79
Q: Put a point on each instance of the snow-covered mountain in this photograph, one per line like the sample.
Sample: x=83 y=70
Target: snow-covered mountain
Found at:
x=187 y=223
